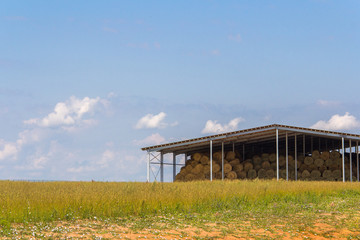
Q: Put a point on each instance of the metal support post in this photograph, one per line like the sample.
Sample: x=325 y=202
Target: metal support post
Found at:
x=304 y=145
x=211 y=158
x=243 y=152
x=287 y=156
x=277 y=154
x=161 y=167
x=148 y=168
x=357 y=160
x=222 y=160
x=174 y=166
x=343 y=158
x=350 y=150
x=295 y=159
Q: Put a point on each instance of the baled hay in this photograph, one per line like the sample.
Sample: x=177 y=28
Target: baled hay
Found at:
x=231 y=175
x=270 y=173
x=315 y=154
x=179 y=178
x=273 y=166
x=329 y=162
x=319 y=162
x=290 y=158
x=227 y=168
x=256 y=160
x=230 y=155
x=315 y=174
x=282 y=173
x=200 y=176
x=252 y=174
x=308 y=160
x=303 y=167
x=248 y=166
x=216 y=168
x=327 y=174
x=282 y=161
x=188 y=168
x=197 y=169
x=196 y=156
x=234 y=162
x=335 y=154
x=257 y=167
x=325 y=155
x=238 y=168
x=207 y=176
x=193 y=163
x=189 y=177
x=205 y=160
x=265 y=165
x=272 y=157
x=305 y=174
x=262 y=173
x=206 y=169
x=265 y=157
x=322 y=168
x=218 y=175
x=217 y=156
x=312 y=167
x=241 y=175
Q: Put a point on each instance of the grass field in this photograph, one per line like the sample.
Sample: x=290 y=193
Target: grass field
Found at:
x=196 y=210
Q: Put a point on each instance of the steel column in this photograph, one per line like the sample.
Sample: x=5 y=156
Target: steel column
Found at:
x=233 y=145
x=343 y=158
x=357 y=160
x=148 y=168
x=211 y=158
x=277 y=154
x=243 y=152
x=161 y=167
x=295 y=159
x=287 y=156
x=350 y=149
x=174 y=166
x=222 y=160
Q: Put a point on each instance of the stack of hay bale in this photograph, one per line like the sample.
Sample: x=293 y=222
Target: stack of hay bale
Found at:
x=317 y=166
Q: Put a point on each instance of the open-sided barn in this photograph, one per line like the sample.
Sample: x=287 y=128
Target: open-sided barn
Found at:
x=273 y=151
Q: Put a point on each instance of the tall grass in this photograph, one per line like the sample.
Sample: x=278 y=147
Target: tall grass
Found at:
x=48 y=201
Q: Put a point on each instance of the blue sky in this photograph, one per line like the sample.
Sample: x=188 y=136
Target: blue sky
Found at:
x=85 y=84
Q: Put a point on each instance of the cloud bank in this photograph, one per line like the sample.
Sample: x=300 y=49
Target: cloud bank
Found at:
x=215 y=127
x=337 y=122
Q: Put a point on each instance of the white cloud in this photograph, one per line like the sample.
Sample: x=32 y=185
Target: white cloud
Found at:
x=326 y=103
x=236 y=37
x=8 y=150
x=68 y=113
x=337 y=122
x=152 y=121
x=215 y=127
x=154 y=139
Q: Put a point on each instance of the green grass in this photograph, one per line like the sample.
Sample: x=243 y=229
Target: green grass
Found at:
x=22 y=202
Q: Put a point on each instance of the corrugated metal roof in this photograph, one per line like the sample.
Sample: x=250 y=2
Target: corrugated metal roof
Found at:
x=263 y=133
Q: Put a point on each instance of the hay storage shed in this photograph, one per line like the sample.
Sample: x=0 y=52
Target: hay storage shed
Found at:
x=272 y=151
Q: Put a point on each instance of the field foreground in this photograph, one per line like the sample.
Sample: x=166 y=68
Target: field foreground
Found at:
x=196 y=210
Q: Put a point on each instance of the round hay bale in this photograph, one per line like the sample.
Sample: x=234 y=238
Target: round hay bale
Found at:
x=319 y=162
x=193 y=163
x=204 y=160
x=272 y=157
x=282 y=173
x=327 y=174
x=262 y=173
x=265 y=157
x=248 y=166
x=227 y=168
x=325 y=155
x=230 y=155
x=334 y=154
x=257 y=167
x=315 y=174
x=265 y=165
x=315 y=154
x=256 y=160
x=303 y=167
x=189 y=177
x=328 y=162
x=273 y=166
x=337 y=174
x=308 y=160
x=241 y=175
x=305 y=174
x=270 y=174
x=188 y=168
x=216 y=168
x=217 y=156
x=196 y=156
x=231 y=175
x=218 y=175
x=252 y=174
x=290 y=158
x=322 y=168
x=238 y=168
x=282 y=161
x=312 y=167
x=206 y=169
x=207 y=176
x=197 y=169
x=234 y=162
